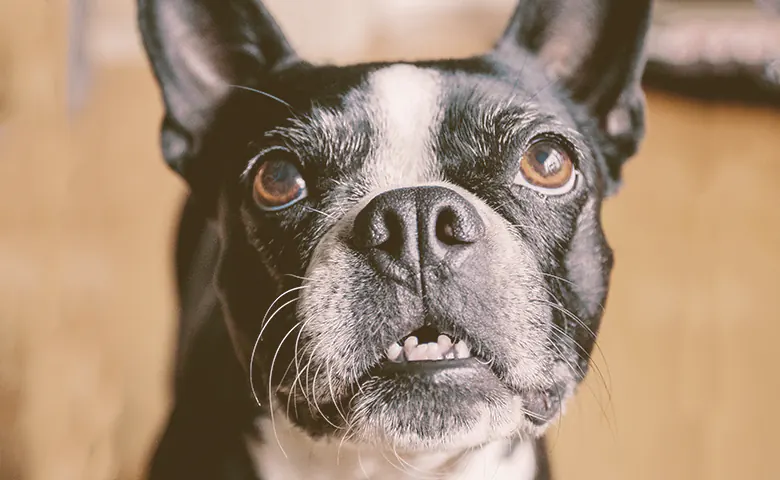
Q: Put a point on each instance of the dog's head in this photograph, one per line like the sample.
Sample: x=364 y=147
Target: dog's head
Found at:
x=410 y=252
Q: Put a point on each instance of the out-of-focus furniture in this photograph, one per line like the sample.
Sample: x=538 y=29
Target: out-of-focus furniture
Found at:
x=722 y=50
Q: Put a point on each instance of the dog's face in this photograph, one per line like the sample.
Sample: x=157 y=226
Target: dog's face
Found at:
x=411 y=253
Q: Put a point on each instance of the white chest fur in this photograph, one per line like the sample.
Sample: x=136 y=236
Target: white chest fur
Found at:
x=296 y=456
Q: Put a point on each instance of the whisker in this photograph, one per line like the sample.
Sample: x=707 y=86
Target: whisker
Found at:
x=579 y=321
x=595 y=340
x=532 y=97
x=306 y=369
x=271 y=390
x=328 y=215
x=360 y=463
x=265 y=94
x=341 y=444
x=588 y=357
x=299 y=277
x=270 y=307
x=569 y=282
x=581 y=373
x=516 y=84
x=316 y=404
x=291 y=395
x=297 y=367
x=575 y=368
x=558 y=422
x=254 y=349
x=390 y=462
x=295 y=360
x=569 y=314
x=529 y=227
x=332 y=394
x=410 y=468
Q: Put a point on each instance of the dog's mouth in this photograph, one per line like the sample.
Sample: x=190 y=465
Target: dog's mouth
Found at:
x=427 y=348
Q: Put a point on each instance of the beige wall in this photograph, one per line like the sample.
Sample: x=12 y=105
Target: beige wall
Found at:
x=333 y=30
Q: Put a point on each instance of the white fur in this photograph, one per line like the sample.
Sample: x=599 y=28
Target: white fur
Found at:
x=407 y=108
x=296 y=456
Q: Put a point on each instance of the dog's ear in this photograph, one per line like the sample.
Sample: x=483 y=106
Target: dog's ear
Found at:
x=594 y=50
x=199 y=50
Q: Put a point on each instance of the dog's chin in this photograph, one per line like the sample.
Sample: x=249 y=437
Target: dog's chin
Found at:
x=438 y=408
x=456 y=407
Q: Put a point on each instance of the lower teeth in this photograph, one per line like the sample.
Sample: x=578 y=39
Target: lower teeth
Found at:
x=442 y=349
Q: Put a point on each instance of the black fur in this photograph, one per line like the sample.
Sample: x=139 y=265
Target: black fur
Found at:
x=546 y=77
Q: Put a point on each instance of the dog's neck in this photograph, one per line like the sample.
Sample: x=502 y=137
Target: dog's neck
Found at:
x=287 y=453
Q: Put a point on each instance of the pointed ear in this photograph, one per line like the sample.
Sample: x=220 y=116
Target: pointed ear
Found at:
x=199 y=49
x=594 y=49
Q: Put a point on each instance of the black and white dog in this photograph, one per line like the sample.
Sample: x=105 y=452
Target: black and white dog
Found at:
x=388 y=270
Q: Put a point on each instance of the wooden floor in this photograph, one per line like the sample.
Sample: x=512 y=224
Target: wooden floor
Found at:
x=688 y=360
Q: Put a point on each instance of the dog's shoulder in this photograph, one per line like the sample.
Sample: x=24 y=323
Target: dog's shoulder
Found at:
x=208 y=377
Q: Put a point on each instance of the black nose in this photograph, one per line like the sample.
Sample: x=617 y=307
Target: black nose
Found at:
x=407 y=229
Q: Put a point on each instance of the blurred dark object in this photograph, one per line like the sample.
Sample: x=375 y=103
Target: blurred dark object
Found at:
x=769 y=5
x=720 y=50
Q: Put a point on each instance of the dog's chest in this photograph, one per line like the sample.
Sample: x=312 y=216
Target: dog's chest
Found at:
x=288 y=454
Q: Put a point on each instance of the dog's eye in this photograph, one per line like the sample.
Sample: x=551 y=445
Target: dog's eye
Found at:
x=278 y=184
x=547 y=168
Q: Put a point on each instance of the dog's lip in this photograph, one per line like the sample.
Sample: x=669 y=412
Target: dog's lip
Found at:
x=541 y=406
x=424 y=366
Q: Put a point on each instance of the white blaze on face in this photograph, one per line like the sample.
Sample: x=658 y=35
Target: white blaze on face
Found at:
x=406 y=103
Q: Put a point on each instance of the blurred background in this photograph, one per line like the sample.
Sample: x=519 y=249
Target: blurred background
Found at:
x=689 y=377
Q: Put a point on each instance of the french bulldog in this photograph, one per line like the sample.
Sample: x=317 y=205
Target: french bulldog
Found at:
x=388 y=270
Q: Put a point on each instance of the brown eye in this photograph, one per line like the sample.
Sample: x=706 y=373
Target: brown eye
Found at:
x=547 y=168
x=278 y=184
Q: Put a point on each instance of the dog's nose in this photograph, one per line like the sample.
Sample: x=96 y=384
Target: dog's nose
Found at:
x=416 y=227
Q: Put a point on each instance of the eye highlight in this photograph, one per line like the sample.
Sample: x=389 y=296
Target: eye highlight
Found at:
x=547 y=167
x=278 y=183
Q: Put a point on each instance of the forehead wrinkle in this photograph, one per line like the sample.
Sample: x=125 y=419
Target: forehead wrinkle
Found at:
x=508 y=123
x=327 y=135
x=501 y=106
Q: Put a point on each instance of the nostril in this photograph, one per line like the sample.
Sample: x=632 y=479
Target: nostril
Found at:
x=391 y=238
x=379 y=228
x=456 y=228
x=445 y=228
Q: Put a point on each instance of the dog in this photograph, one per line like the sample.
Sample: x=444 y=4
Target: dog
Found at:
x=388 y=270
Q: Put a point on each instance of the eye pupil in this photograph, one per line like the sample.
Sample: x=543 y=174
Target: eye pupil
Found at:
x=547 y=167
x=278 y=184
x=280 y=179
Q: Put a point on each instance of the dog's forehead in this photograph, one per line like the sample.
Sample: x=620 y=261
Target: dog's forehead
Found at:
x=390 y=128
x=405 y=106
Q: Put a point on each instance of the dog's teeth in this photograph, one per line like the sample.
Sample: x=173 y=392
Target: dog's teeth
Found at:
x=444 y=342
x=420 y=352
x=409 y=346
x=433 y=351
x=394 y=352
x=462 y=350
x=413 y=351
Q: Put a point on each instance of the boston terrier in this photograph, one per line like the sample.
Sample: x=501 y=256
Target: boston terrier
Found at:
x=388 y=270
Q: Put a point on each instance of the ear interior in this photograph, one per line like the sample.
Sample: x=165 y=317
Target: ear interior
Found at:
x=199 y=50
x=594 y=49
